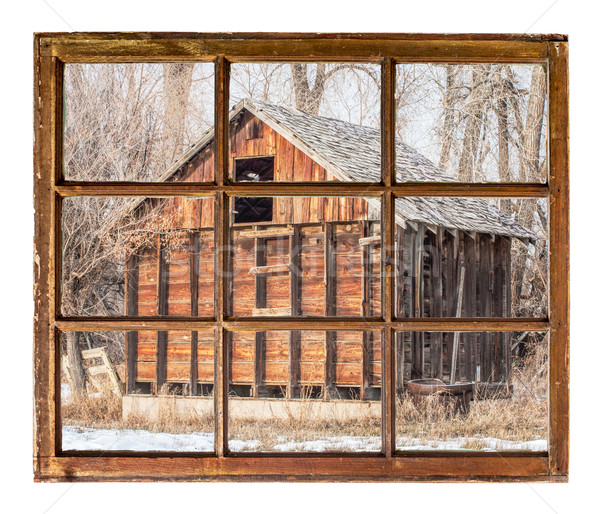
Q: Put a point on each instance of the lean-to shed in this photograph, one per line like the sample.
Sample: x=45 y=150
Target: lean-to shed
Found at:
x=315 y=256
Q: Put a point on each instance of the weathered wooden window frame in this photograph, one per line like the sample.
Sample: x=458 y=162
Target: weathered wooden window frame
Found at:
x=52 y=51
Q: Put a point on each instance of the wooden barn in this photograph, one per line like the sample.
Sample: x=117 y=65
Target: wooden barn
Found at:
x=304 y=256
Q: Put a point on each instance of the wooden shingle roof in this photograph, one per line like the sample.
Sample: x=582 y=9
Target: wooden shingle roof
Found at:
x=353 y=153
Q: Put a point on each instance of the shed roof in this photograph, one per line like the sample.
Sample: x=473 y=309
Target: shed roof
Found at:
x=353 y=153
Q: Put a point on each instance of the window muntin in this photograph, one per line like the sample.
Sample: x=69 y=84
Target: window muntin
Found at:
x=555 y=55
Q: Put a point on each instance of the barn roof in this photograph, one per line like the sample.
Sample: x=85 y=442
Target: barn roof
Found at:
x=353 y=153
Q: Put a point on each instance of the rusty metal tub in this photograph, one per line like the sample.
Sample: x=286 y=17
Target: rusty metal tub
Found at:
x=458 y=395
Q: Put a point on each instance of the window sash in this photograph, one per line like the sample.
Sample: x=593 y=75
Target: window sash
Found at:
x=52 y=51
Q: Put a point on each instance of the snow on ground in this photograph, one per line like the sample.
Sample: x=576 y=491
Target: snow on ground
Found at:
x=471 y=443
x=328 y=444
x=80 y=438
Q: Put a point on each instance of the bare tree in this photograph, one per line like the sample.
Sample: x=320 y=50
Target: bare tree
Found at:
x=123 y=122
x=449 y=116
x=474 y=112
x=529 y=276
x=176 y=85
x=309 y=97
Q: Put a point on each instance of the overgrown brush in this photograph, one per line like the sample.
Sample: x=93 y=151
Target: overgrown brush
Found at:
x=522 y=416
x=100 y=409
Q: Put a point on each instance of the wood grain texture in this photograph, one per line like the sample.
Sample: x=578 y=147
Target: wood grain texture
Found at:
x=51 y=50
x=559 y=258
x=149 y=47
x=299 y=323
x=334 y=189
x=46 y=168
x=222 y=258
x=368 y=468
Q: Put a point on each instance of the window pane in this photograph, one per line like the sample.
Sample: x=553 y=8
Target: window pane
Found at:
x=305 y=391
x=315 y=121
x=139 y=391
x=494 y=397
x=471 y=122
x=139 y=122
x=138 y=256
x=305 y=256
x=471 y=257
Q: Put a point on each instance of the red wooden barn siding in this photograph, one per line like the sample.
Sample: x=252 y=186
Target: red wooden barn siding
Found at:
x=487 y=282
x=249 y=137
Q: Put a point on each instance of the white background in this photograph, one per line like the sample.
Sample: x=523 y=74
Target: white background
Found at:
x=20 y=20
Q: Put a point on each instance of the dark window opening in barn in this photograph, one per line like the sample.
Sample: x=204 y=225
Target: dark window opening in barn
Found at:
x=254 y=169
x=253 y=209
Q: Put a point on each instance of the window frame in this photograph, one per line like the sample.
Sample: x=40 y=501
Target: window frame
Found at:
x=53 y=50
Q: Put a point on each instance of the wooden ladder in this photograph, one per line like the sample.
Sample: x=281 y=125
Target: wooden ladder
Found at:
x=94 y=370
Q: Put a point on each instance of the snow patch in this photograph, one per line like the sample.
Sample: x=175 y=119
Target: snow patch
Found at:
x=477 y=443
x=327 y=444
x=80 y=438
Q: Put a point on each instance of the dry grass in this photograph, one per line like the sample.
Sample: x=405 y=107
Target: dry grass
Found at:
x=99 y=410
x=105 y=410
x=522 y=417
x=270 y=433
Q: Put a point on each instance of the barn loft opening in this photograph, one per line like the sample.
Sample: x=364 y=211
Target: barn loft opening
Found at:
x=254 y=169
x=254 y=209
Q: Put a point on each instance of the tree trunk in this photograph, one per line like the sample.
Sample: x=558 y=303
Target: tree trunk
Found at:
x=503 y=141
x=529 y=165
x=502 y=113
x=474 y=110
x=75 y=362
x=177 y=84
x=449 y=116
x=308 y=99
x=532 y=131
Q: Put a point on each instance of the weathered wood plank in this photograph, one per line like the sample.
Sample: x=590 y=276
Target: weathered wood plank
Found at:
x=330 y=266
x=363 y=241
x=271 y=311
x=295 y=286
x=72 y=48
x=418 y=363
x=558 y=379
x=194 y=265
x=259 y=363
x=470 y=306
x=267 y=233
x=365 y=303
x=314 y=189
x=272 y=268
x=437 y=361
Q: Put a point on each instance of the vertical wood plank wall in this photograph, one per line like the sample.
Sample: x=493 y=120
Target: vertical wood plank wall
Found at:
x=429 y=268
